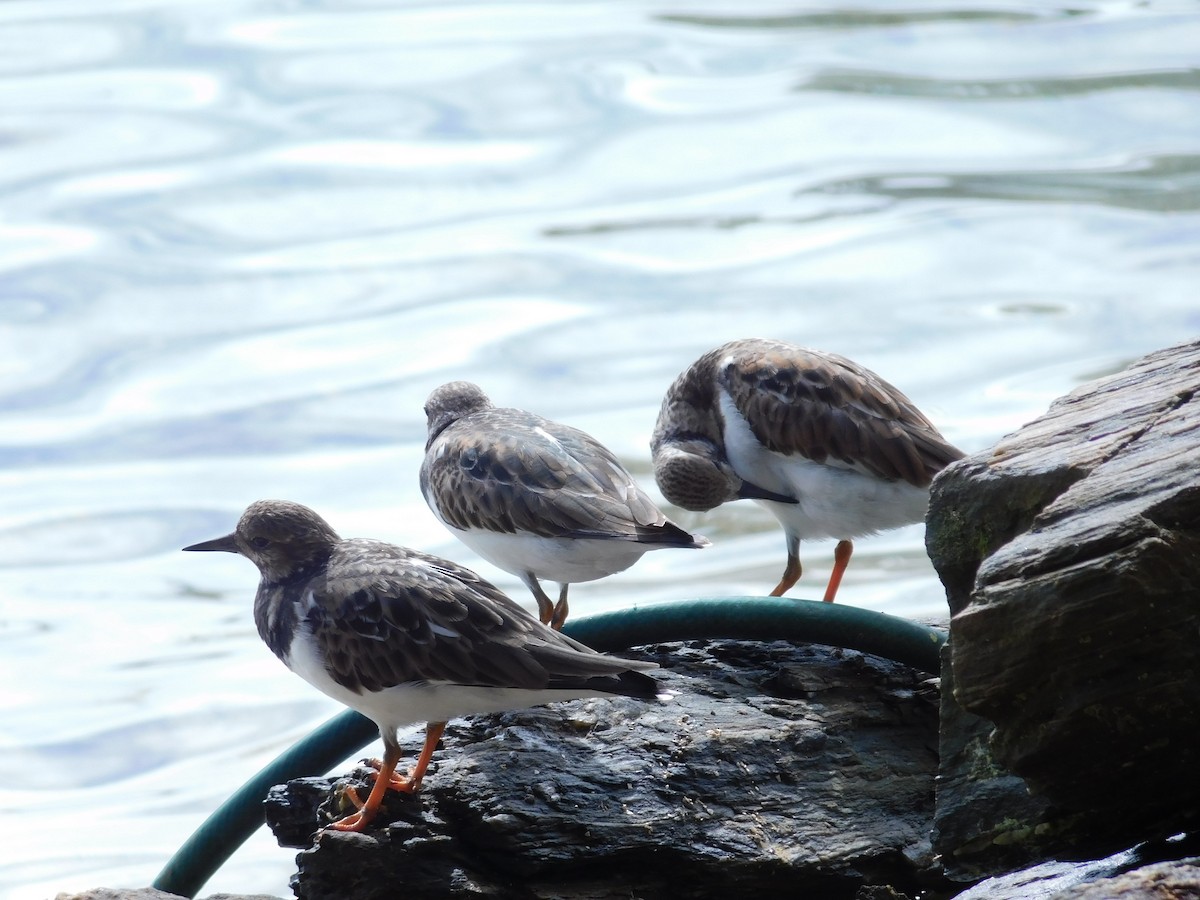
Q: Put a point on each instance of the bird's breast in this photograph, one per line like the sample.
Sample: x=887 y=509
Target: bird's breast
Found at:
x=751 y=460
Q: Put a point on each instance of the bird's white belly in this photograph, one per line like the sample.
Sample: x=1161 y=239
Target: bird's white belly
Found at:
x=416 y=702
x=842 y=504
x=834 y=500
x=565 y=560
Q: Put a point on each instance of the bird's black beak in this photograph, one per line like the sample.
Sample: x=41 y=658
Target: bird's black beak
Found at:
x=227 y=543
x=751 y=491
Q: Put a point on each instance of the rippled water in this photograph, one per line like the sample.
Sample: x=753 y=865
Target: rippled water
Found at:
x=241 y=241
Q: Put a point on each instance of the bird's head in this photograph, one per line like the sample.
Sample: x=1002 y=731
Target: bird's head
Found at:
x=694 y=474
x=282 y=538
x=449 y=403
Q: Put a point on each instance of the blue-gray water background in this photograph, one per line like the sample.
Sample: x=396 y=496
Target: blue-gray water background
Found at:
x=240 y=242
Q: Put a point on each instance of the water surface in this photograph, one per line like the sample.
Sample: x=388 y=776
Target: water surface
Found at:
x=241 y=241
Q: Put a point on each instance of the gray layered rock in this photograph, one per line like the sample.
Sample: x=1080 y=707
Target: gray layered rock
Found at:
x=777 y=768
x=985 y=820
x=1128 y=875
x=1071 y=557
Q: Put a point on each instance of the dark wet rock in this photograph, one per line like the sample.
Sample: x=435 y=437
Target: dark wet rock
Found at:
x=291 y=807
x=985 y=820
x=879 y=892
x=1136 y=874
x=778 y=769
x=1069 y=553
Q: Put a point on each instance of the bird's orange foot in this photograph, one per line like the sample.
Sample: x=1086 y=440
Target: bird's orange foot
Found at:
x=395 y=782
x=791 y=574
x=358 y=821
x=403 y=785
x=354 y=822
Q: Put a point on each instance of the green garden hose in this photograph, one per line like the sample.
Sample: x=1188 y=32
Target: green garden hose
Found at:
x=737 y=618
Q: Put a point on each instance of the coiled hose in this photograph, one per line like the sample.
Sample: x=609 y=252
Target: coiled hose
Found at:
x=737 y=618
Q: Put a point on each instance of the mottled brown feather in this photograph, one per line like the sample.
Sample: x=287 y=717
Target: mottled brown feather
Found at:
x=828 y=408
x=509 y=471
x=383 y=615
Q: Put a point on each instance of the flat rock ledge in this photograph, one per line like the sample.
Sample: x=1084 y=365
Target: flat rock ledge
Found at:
x=1124 y=876
x=1136 y=874
x=1071 y=683
x=777 y=768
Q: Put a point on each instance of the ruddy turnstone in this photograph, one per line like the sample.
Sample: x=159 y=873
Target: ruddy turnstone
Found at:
x=536 y=498
x=825 y=444
x=403 y=637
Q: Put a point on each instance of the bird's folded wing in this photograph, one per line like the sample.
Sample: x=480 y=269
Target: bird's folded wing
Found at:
x=558 y=483
x=411 y=618
x=831 y=410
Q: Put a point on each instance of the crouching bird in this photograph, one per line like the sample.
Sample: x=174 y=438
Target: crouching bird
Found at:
x=404 y=637
x=826 y=445
x=536 y=498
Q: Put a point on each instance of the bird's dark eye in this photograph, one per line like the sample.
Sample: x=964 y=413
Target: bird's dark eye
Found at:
x=259 y=543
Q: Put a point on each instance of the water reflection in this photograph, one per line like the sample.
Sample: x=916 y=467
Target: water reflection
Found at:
x=1160 y=184
x=239 y=244
x=861 y=18
x=853 y=82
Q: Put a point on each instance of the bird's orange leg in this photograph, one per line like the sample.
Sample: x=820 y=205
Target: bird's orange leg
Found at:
x=433 y=734
x=791 y=575
x=395 y=782
x=387 y=778
x=560 y=609
x=545 y=605
x=791 y=572
x=358 y=821
x=841 y=559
